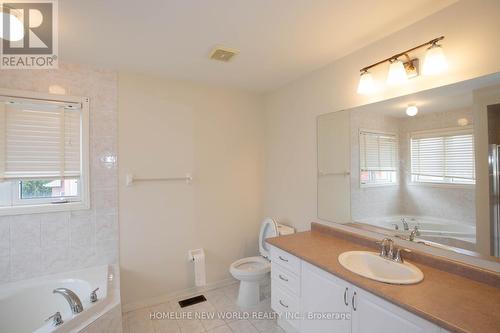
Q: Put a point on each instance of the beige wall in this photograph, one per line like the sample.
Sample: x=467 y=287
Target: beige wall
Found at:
x=472 y=48
x=166 y=129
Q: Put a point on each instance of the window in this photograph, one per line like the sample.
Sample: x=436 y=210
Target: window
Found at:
x=443 y=157
x=378 y=158
x=43 y=154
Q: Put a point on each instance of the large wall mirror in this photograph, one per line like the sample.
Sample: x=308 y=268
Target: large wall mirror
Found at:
x=423 y=167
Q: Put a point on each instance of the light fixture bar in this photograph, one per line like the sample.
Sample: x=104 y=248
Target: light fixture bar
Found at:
x=431 y=42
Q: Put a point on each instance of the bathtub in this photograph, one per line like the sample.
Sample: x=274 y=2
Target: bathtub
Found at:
x=25 y=305
x=430 y=227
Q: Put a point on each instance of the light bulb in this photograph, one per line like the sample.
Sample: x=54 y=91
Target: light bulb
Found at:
x=411 y=110
x=397 y=73
x=16 y=27
x=463 y=121
x=435 y=61
x=366 y=84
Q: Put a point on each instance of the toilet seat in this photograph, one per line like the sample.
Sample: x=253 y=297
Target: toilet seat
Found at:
x=250 y=267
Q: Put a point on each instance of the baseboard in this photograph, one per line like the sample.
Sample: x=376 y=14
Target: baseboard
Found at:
x=175 y=295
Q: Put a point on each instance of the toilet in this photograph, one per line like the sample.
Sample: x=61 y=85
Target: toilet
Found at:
x=251 y=271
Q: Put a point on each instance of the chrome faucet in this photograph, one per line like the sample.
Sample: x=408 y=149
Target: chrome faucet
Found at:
x=406 y=227
x=388 y=251
x=74 y=302
x=384 y=251
x=413 y=233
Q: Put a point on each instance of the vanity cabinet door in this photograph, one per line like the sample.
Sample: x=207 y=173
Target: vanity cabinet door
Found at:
x=371 y=314
x=323 y=294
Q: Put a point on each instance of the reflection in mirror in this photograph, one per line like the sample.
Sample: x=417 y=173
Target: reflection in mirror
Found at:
x=422 y=167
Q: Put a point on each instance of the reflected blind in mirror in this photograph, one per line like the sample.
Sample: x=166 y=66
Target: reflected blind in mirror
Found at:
x=443 y=156
x=378 y=151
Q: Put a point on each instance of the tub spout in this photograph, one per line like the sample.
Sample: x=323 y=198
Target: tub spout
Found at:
x=74 y=302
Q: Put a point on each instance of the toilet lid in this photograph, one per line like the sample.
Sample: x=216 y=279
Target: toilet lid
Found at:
x=269 y=228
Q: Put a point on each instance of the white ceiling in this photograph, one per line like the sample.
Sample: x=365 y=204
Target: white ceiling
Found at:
x=279 y=40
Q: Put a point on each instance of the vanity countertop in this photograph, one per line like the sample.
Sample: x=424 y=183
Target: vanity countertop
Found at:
x=451 y=301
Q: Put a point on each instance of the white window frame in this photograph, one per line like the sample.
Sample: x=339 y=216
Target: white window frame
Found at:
x=438 y=131
x=364 y=185
x=46 y=205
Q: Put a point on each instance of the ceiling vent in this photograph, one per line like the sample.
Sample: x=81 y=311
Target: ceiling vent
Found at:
x=223 y=54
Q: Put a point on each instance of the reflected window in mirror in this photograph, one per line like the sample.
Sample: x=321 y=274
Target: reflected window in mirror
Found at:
x=444 y=156
x=378 y=158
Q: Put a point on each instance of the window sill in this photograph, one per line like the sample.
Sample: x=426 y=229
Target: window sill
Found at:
x=43 y=208
x=378 y=185
x=443 y=185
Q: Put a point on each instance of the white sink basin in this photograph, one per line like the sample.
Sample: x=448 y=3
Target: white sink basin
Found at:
x=371 y=265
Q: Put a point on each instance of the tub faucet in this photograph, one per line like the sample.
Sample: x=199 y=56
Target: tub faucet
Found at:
x=406 y=227
x=74 y=302
x=413 y=233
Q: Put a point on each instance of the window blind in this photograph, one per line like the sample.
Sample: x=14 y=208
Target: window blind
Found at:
x=378 y=151
x=40 y=141
x=443 y=157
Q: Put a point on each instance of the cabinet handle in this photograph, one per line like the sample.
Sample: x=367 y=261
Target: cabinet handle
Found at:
x=283 y=278
x=283 y=305
x=345 y=296
x=352 y=301
x=283 y=259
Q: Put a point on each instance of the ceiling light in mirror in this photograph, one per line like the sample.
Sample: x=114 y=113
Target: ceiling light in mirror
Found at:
x=463 y=122
x=435 y=60
x=397 y=73
x=412 y=110
x=366 y=84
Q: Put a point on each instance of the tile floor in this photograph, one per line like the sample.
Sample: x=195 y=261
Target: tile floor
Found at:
x=222 y=315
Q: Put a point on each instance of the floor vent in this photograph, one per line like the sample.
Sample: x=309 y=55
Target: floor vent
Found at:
x=192 y=301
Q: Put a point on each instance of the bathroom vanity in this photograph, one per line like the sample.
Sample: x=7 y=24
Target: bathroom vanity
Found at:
x=314 y=293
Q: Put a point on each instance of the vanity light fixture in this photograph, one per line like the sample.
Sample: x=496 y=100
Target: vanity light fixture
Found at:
x=435 y=60
x=400 y=71
x=366 y=84
x=13 y=18
x=397 y=73
x=412 y=110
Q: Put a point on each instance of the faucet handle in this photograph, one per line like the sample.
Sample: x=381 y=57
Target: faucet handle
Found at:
x=56 y=319
x=417 y=230
x=382 y=247
x=398 y=257
x=93 y=295
x=383 y=250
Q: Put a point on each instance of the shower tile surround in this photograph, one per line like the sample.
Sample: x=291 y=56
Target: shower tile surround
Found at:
x=453 y=203
x=39 y=244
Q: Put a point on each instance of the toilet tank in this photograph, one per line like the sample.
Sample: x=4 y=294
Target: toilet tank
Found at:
x=284 y=230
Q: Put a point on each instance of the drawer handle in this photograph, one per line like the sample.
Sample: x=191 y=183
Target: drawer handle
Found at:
x=283 y=259
x=283 y=304
x=345 y=296
x=352 y=301
x=283 y=278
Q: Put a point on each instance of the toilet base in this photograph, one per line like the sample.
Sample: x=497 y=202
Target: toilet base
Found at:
x=249 y=294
